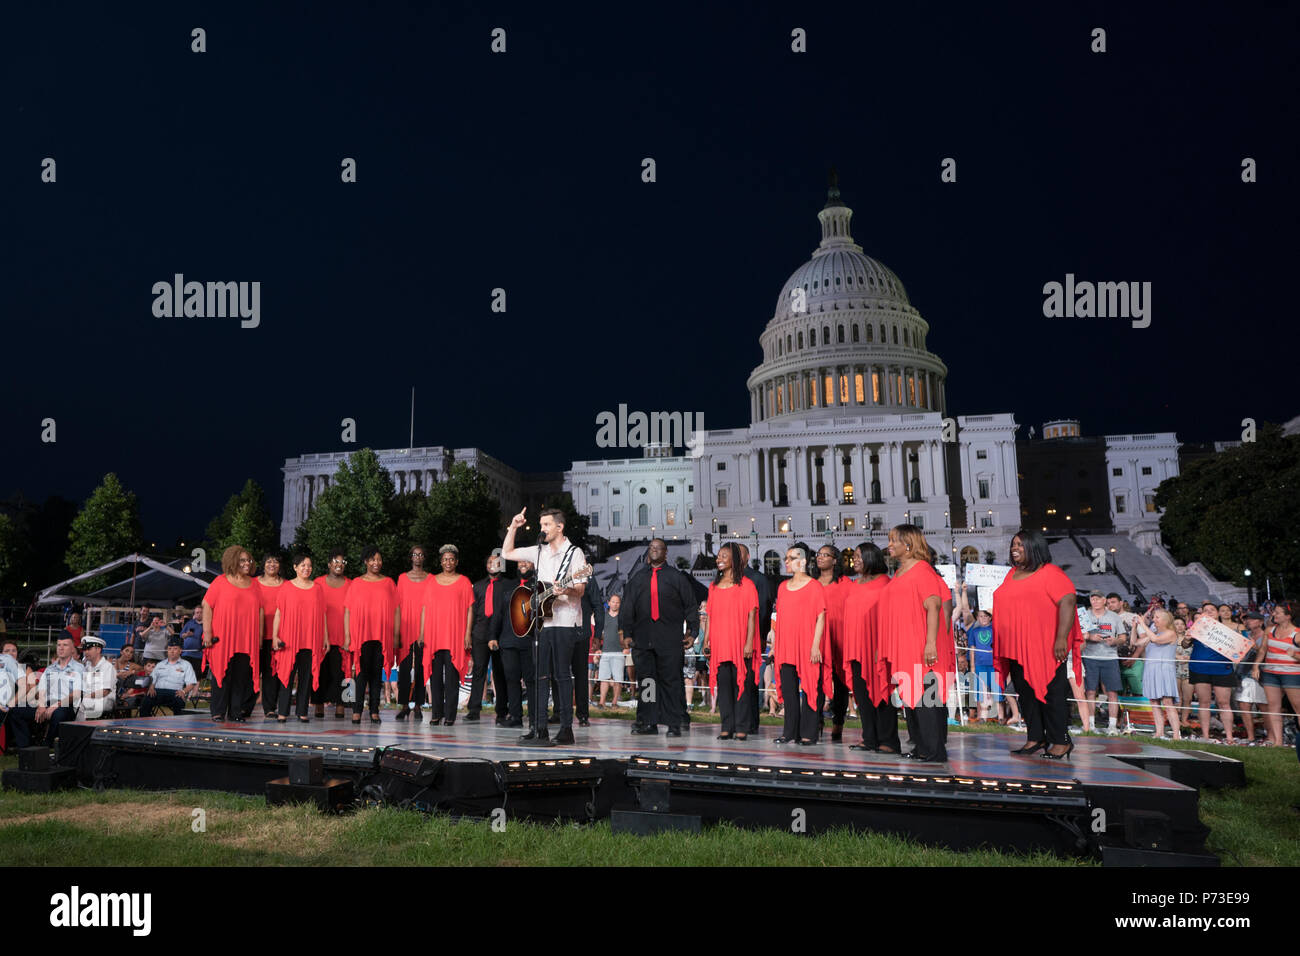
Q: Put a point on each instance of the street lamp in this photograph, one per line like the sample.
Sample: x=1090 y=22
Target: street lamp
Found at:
x=617 y=573
x=1250 y=589
x=1113 y=562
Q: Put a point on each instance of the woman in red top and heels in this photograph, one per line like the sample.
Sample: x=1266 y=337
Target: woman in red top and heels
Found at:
x=911 y=619
x=330 y=676
x=733 y=619
x=370 y=616
x=232 y=634
x=1033 y=631
x=799 y=625
x=448 y=617
x=298 y=639
x=268 y=585
x=863 y=669
x=837 y=590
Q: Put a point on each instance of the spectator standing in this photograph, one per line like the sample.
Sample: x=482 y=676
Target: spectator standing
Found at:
x=155 y=637
x=1103 y=634
x=1212 y=675
x=1160 y=676
x=610 y=656
x=1249 y=690
x=192 y=640
x=1279 y=671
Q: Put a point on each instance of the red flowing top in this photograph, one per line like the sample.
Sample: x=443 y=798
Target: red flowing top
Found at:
x=235 y=621
x=861 y=637
x=371 y=607
x=302 y=627
x=335 y=597
x=410 y=600
x=901 y=616
x=1024 y=625
x=76 y=633
x=446 y=608
x=833 y=635
x=729 y=610
x=269 y=594
x=792 y=637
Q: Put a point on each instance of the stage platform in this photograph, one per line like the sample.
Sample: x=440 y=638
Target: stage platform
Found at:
x=1115 y=796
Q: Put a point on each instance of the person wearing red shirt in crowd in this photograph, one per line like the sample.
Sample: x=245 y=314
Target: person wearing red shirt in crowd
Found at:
x=448 y=623
x=269 y=582
x=800 y=627
x=915 y=641
x=863 y=668
x=298 y=637
x=75 y=629
x=330 y=677
x=730 y=644
x=837 y=590
x=1034 y=631
x=370 y=623
x=411 y=586
x=232 y=634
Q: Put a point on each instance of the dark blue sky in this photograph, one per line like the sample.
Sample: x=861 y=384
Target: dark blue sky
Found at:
x=522 y=171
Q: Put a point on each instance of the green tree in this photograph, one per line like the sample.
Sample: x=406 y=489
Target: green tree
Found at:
x=356 y=510
x=245 y=521
x=1236 y=510
x=460 y=510
x=107 y=527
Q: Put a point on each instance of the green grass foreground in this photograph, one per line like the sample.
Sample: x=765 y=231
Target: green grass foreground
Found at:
x=1256 y=826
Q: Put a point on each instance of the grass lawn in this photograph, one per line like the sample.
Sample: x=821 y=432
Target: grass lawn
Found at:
x=1256 y=826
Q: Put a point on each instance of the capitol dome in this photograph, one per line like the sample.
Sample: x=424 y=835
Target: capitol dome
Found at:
x=844 y=336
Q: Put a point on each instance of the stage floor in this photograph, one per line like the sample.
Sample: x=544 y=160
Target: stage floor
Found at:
x=1096 y=761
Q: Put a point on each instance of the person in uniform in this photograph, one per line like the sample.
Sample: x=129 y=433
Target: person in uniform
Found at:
x=98 y=682
x=172 y=681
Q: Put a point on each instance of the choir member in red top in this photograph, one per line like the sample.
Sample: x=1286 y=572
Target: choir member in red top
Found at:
x=269 y=583
x=330 y=676
x=298 y=637
x=730 y=645
x=837 y=590
x=863 y=668
x=448 y=618
x=798 y=629
x=370 y=622
x=911 y=618
x=1033 y=632
x=410 y=600
x=232 y=634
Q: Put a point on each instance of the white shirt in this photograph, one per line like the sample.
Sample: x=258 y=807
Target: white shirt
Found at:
x=6 y=689
x=567 y=609
x=103 y=676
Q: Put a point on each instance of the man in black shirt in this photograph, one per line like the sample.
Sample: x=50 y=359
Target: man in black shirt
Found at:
x=593 y=610
x=491 y=611
x=760 y=583
x=517 y=657
x=657 y=602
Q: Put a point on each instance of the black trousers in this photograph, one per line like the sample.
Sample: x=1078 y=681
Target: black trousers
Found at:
x=161 y=698
x=302 y=674
x=330 y=689
x=517 y=665
x=270 y=692
x=801 y=720
x=839 y=698
x=581 y=676
x=927 y=725
x=554 y=664
x=370 y=676
x=444 y=685
x=879 y=721
x=482 y=654
x=735 y=713
x=229 y=696
x=1044 y=721
x=413 y=661
x=660 y=689
x=26 y=731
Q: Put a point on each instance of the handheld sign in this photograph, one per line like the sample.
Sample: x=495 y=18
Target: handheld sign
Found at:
x=1220 y=638
x=949 y=574
x=985 y=575
x=1086 y=621
x=985 y=598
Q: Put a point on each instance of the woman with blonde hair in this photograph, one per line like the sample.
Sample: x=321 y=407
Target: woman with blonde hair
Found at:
x=1156 y=645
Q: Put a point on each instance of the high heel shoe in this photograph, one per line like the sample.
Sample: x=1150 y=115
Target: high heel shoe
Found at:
x=1051 y=756
x=1031 y=748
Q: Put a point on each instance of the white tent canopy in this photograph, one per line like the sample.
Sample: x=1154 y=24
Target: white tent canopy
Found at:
x=54 y=593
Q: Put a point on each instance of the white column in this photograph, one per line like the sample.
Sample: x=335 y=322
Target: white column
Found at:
x=797 y=456
x=926 y=465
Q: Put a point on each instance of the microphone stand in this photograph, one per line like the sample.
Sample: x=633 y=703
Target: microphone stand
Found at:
x=541 y=684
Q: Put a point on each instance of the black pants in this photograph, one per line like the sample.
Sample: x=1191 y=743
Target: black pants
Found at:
x=517 y=664
x=444 y=684
x=270 y=692
x=22 y=721
x=413 y=661
x=330 y=688
x=879 y=721
x=660 y=689
x=302 y=673
x=581 y=676
x=1044 y=721
x=927 y=725
x=478 y=678
x=161 y=698
x=802 y=721
x=839 y=698
x=735 y=713
x=228 y=697
x=554 y=664
x=370 y=676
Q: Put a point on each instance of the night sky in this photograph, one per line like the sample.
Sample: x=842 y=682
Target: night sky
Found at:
x=523 y=171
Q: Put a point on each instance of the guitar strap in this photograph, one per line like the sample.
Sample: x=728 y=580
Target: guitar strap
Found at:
x=563 y=569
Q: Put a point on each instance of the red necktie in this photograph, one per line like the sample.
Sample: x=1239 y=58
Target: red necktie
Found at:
x=487 y=600
x=654 y=594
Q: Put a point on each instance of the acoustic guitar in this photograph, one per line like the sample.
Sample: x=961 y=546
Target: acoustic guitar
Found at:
x=521 y=602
